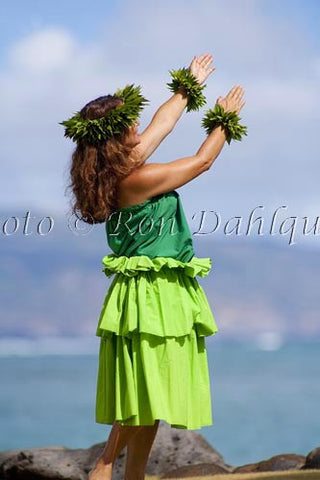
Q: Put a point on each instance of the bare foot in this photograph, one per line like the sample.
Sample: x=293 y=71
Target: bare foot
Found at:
x=100 y=471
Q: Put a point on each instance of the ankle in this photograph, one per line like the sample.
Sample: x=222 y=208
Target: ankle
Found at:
x=140 y=476
x=136 y=473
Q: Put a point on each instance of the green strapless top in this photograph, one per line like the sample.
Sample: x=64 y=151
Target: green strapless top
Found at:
x=156 y=227
x=152 y=235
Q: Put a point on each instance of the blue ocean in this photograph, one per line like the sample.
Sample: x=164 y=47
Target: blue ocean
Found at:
x=265 y=398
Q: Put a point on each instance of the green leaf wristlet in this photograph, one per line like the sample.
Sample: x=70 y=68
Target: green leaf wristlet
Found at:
x=229 y=121
x=183 y=77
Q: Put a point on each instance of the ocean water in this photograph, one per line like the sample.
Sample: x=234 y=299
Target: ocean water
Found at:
x=265 y=397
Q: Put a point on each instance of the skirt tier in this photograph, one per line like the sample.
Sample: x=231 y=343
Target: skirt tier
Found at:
x=152 y=357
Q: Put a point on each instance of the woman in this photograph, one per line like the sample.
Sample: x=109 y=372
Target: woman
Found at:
x=153 y=324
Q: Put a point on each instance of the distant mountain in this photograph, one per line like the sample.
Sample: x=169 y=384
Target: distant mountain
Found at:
x=53 y=284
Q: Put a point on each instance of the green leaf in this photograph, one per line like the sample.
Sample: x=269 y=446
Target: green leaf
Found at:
x=228 y=120
x=183 y=77
x=116 y=120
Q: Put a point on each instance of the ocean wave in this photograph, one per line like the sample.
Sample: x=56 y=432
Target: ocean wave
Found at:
x=22 y=346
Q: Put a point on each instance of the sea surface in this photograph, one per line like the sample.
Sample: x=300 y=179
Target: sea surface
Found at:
x=265 y=396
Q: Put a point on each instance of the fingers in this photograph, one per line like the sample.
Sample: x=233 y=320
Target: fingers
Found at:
x=194 y=60
x=233 y=101
x=232 y=92
x=235 y=93
x=205 y=59
x=238 y=94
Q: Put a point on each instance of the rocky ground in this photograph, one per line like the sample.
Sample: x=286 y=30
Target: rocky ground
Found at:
x=175 y=453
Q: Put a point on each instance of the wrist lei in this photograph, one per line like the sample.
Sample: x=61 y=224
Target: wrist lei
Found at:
x=183 y=77
x=116 y=120
x=229 y=121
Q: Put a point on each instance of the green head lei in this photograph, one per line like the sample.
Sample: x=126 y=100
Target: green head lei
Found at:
x=116 y=120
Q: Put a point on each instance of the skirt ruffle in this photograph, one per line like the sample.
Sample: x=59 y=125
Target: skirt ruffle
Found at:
x=131 y=266
x=152 y=359
x=160 y=296
x=149 y=377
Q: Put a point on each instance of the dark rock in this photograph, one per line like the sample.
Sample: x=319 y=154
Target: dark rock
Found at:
x=175 y=448
x=195 y=470
x=175 y=453
x=172 y=448
x=312 y=459
x=286 y=461
x=43 y=463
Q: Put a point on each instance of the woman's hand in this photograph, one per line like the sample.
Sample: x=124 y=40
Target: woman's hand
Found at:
x=232 y=102
x=199 y=67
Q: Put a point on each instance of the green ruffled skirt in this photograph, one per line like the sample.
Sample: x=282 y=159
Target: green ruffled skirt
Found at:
x=152 y=328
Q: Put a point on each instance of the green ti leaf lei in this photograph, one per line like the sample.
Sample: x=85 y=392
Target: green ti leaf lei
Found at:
x=183 y=77
x=228 y=120
x=116 y=120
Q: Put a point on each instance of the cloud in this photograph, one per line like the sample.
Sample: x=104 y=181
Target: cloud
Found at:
x=51 y=73
x=43 y=51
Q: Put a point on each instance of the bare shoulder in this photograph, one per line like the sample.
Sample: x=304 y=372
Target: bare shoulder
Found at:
x=152 y=179
x=131 y=189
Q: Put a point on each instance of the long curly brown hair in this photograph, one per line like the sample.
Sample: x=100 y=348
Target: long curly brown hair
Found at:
x=95 y=171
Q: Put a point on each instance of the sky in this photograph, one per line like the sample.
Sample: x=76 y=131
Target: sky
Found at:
x=56 y=56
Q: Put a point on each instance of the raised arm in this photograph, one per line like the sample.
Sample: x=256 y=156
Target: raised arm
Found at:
x=155 y=178
x=167 y=115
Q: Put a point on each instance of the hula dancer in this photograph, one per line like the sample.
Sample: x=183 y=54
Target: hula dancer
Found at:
x=155 y=317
